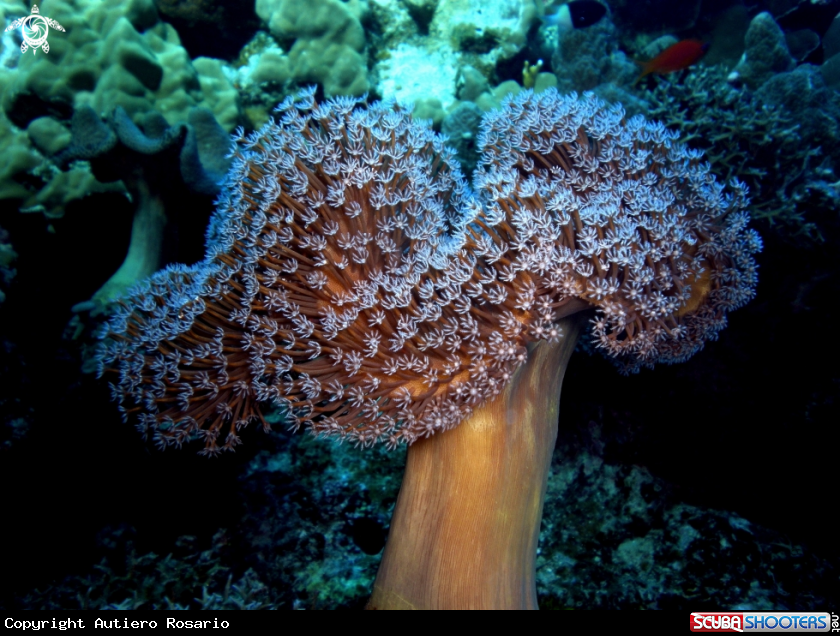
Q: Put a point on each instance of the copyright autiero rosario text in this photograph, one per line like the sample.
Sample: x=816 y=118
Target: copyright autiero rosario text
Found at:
x=113 y=623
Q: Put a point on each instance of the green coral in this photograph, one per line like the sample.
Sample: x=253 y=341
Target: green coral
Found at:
x=766 y=52
x=530 y=72
x=111 y=54
x=761 y=146
x=325 y=40
x=29 y=178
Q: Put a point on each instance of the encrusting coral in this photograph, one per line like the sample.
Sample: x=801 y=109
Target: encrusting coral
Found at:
x=356 y=281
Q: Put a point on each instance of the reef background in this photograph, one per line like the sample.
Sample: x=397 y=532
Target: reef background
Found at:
x=705 y=484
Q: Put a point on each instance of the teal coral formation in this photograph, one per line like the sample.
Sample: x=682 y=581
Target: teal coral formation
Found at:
x=777 y=149
x=325 y=41
x=113 y=54
x=765 y=55
x=145 y=161
x=586 y=59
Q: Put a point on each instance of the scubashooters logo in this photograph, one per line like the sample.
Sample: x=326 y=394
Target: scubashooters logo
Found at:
x=784 y=622
x=34 y=29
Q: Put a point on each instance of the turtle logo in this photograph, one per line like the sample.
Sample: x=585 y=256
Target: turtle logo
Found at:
x=34 y=29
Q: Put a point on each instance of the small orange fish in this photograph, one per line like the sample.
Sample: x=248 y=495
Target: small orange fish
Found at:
x=675 y=58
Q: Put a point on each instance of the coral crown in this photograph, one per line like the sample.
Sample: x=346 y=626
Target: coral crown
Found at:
x=355 y=280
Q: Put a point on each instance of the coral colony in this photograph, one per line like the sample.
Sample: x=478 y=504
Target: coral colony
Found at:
x=356 y=281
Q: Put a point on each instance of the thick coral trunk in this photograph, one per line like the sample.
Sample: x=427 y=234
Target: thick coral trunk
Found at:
x=144 y=250
x=465 y=528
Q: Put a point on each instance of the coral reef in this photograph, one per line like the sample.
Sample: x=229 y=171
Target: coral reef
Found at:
x=766 y=53
x=113 y=54
x=420 y=74
x=804 y=97
x=830 y=67
x=626 y=533
x=586 y=59
x=778 y=140
x=144 y=161
x=770 y=124
x=453 y=35
x=461 y=129
x=316 y=518
x=325 y=41
x=495 y=33
x=187 y=579
x=591 y=60
x=470 y=83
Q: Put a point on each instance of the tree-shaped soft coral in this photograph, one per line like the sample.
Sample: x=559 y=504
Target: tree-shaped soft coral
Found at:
x=158 y=166
x=354 y=280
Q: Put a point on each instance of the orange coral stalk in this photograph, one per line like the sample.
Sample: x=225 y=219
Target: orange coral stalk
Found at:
x=465 y=530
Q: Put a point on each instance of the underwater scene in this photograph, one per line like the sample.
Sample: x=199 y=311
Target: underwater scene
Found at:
x=419 y=304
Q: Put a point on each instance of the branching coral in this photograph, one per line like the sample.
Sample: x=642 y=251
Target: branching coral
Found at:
x=773 y=148
x=357 y=282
